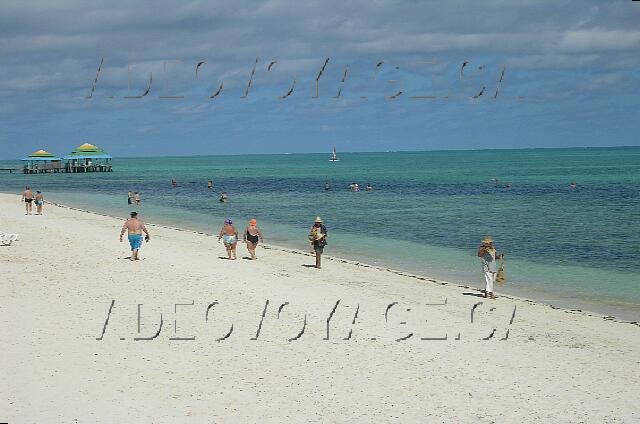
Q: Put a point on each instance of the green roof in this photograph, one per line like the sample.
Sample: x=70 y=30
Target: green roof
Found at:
x=87 y=151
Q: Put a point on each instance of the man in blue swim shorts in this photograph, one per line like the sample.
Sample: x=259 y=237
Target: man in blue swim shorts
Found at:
x=135 y=227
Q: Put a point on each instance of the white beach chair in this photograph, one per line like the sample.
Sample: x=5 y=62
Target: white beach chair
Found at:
x=7 y=239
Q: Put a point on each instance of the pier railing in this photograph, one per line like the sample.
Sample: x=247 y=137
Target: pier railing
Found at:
x=69 y=168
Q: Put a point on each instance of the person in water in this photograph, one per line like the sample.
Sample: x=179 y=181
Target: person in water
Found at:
x=327 y=186
x=318 y=239
x=129 y=198
x=39 y=201
x=27 y=198
x=573 y=186
x=252 y=235
x=209 y=184
x=488 y=256
x=223 y=197
x=369 y=187
x=135 y=227
x=136 y=197
x=174 y=183
x=229 y=234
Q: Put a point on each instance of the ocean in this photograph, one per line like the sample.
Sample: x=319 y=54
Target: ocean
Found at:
x=571 y=247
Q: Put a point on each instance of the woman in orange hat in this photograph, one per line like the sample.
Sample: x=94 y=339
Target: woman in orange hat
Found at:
x=252 y=235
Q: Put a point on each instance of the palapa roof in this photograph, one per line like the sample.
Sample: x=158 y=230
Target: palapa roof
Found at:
x=88 y=151
x=41 y=155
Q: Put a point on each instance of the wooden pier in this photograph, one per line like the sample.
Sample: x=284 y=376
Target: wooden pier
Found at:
x=85 y=158
x=8 y=169
x=69 y=168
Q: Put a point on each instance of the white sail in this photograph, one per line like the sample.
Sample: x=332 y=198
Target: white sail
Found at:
x=334 y=156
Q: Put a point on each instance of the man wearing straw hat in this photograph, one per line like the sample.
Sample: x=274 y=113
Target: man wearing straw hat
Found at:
x=488 y=255
x=318 y=239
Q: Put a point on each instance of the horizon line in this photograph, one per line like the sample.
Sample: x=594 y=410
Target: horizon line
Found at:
x=368 y=151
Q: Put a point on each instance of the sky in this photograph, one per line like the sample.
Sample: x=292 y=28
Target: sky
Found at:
x=571 y=75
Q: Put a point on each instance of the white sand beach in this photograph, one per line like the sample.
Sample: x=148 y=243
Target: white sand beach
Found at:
x=67 y=273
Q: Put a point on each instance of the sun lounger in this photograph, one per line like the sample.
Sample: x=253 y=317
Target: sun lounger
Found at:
x=7 y=239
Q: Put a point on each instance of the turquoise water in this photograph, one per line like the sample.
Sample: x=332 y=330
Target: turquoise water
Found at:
x=428 y=211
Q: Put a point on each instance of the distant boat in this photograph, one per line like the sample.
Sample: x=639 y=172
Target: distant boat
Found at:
x=334 y=157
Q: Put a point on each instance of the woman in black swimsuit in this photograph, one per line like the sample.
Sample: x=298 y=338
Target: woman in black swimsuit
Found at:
x=252 y=235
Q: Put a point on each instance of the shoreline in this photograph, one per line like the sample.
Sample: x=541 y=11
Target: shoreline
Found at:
x=414 y=276
x=184 y=335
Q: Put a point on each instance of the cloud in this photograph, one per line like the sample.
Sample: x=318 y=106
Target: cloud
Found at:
x=597 y=40
x=50 y=52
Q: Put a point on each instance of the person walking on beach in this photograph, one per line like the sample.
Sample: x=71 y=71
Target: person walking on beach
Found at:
x=136 y=198
x=229 y=234
x=251 y=236
x=135 y=227
x=129 y=198
x=318 y=239
x=39 y=201
x=27 y=198
x=488 y=255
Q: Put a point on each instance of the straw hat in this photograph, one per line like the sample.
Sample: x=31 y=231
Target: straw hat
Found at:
x=318 y=219
x=487 y=240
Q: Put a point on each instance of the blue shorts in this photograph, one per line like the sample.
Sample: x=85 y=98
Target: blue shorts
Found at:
x=135 y=240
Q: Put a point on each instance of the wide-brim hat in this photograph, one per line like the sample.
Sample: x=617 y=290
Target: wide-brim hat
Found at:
x=318 y=219
x=487 y=239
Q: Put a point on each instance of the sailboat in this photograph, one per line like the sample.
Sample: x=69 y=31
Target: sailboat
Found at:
x=334 y=157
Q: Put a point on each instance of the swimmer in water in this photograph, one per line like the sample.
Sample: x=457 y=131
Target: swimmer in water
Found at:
x=327 y=186
x=209 y=184
x=224 y=197
x=369 y=187
x=573 y=185
x=174 y=183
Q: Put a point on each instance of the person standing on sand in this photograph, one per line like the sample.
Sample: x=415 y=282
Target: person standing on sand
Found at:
x=251 y=236
x=135 y=227
x=27 y=198
x=318 y=239
x=488 y=255
x=39 y=201
x=230 y=236
x=129 y=198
